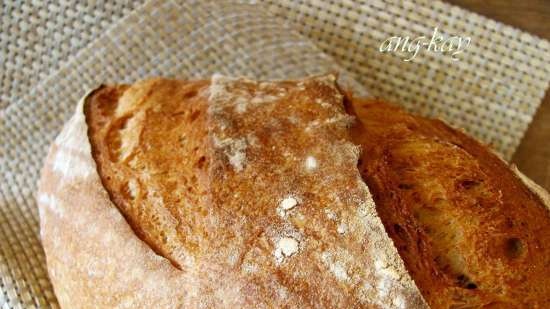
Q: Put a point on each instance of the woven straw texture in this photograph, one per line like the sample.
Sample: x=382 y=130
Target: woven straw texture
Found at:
x=52 y=53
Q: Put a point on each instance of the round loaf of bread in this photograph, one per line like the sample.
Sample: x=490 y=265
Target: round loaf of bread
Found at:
x=233 y=193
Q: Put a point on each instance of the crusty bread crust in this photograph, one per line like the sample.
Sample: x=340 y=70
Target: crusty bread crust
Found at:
x=471 y=234
x=150 y=142
x=241 y=194
x=94 y=258
x=280 y=217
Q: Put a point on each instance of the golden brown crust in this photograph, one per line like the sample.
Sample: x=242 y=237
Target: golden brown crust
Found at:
x=94 y=258
x=149 y=142
x=242 y=194
x=470 y=232
x=278 y=216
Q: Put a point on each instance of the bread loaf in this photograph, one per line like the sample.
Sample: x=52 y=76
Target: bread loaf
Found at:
x=233 y=193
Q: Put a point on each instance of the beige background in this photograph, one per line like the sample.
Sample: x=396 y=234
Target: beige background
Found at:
x=533 y=154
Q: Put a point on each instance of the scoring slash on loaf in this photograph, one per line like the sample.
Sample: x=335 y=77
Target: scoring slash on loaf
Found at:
x=234 y=193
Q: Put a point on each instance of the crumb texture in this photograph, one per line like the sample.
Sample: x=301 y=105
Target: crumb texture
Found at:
x=472 y=235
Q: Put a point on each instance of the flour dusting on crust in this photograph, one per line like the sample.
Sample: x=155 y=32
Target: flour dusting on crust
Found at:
x=307 y=213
